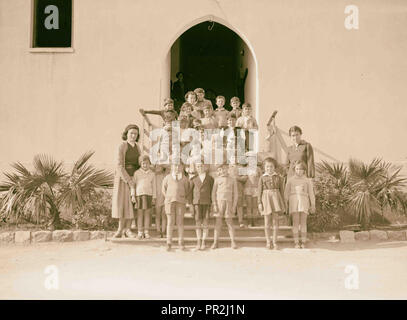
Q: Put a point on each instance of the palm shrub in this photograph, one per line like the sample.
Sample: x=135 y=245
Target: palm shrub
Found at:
x=44 y=191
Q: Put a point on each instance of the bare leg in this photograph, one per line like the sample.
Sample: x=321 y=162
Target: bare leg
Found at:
x=147 y=215
x=275 y=230
x=240 y=214
x=170 y=227
x=218 y=226
x=180 y=224
x=205 y=233
x=158 y=218
x=231 y=229
x=140 y=226
x=164 y=220
x=303 y=222
x=296 y=222
x=267 y=219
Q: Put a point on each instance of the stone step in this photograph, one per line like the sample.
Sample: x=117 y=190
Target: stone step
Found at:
x=239 y=240
x=258 y=231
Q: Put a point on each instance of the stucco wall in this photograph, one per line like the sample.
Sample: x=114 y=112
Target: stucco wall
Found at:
x=344 y=88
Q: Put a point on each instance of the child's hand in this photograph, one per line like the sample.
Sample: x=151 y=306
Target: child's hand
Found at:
x=312 y=210
x=260 y=207
x=133 y=199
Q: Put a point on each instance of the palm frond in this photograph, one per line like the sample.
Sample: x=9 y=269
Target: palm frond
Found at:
x=47 y=169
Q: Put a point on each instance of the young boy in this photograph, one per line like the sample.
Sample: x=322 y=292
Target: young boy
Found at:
x=175 y=188
x=235 y=104
x=246 y=120
x=221 y=114
x=160 y=217
x=168 y=114
x=208 y=121
x=224 y=198
x=233 y=141
x=235 y=172
x=201 y=189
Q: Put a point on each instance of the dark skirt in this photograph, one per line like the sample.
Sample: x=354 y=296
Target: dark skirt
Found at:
x=144 y=202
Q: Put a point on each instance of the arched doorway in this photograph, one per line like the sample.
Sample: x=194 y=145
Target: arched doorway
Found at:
x=214 y=56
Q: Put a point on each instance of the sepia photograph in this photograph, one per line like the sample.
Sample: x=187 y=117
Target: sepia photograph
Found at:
x=203 y=150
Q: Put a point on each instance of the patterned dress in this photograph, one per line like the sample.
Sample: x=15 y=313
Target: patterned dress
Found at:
x=270 y=191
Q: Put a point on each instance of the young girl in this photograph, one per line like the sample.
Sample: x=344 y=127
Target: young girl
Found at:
x=300 y=198
x=175 y=188
x=201 y=189
x=224 y=199
x=160 y=217
x=208 y=121
x=270 y=199
x=143 y=196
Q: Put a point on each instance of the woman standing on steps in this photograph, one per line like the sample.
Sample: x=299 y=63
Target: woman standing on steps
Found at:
x=127 y=162
x=300 y=150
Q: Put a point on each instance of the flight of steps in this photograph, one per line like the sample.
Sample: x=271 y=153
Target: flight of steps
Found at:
x=244 y=236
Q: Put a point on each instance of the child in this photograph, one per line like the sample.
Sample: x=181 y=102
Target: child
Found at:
x=160 y=217
x=168 y=114
x=224 y=199
x=186 y=112
x=270 y=199
x=250 y=194
x=233 y=141
x=143 y=196
x=192 y=99
x=201 y=189
x=221 y=114
x=235 y=104
x=175 y=188
x=208 y=121
x=235 y=172
x=246 y=120
x=300 y=198
x=201 y=101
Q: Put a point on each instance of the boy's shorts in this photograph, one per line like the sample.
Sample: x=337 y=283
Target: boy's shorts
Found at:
x=175 y=207
x=225 y=209
x=201 y=211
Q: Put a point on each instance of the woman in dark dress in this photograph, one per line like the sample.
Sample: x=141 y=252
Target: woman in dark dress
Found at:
x=126 y=164
x=299 y=151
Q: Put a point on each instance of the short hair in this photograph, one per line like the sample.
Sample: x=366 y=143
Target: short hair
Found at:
x=294 y=129
x=221 y=97
x=189 y=93
x=246 y=105
x=168 y=101
x=143 y=158
x=199 y=90
x=178 y=73
x=129 y=127
x=234 y=99
x=270 y=160
x=300 y=164
x=186 y=105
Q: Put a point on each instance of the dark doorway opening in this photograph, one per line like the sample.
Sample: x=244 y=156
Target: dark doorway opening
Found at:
x=211 y=56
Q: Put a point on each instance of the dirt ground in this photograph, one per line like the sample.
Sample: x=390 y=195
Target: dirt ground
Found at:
x=103 y=270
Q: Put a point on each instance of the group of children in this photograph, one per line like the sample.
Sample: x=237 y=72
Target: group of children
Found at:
x=234 y=191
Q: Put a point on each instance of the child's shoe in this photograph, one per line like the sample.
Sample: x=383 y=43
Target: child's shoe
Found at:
x=275 y=246
x=146 y=235
x=118 y=234
x=241 y=225
x=182 y=246
x=297 y=245
x=202 y=246
x=268 y=245
x=233 y=245
x=168 y=247
x=139 y=236
x=214 y=246
x=130 y=234
x=302 y=245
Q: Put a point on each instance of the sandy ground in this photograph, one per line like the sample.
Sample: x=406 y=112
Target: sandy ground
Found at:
x=103 y=270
